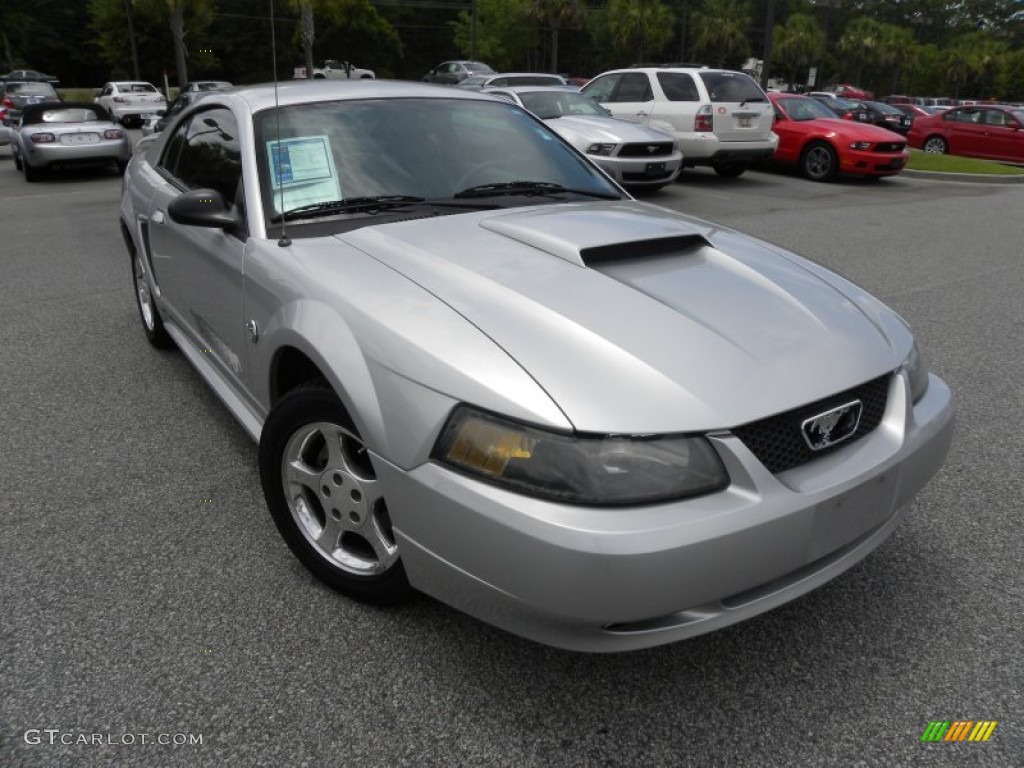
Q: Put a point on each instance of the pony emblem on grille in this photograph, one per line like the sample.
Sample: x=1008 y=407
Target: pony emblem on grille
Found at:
x=833 y=426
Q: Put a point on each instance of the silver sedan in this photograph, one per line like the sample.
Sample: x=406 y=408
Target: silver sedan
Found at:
x=475 y=367
x=636 y=156
x=62 y=134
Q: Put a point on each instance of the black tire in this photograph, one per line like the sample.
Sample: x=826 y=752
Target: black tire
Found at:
x=17 y=161
x=330 y=511
x=935 y=145
x=730 y=170
x=127 y=121
x=122 y=166
x=819 y=161
x=149 y=315
x=31 y=174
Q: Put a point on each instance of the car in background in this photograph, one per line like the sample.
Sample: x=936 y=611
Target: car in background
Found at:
x=845 y=91
x=206 y=85
x=914 y=111
x=718 y=117
x=990 y=132
x=15 y=95
x=886 y=116
x=452 y=72
x=822 y=146
x=129 y=101
x=512 y=79
x=156 y=122
x=477 y=368
x=29 y=75
x=840 y=107
x=636 y=156
x=62 y=134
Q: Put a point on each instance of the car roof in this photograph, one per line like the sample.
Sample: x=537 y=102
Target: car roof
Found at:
x=690 y=70
x=535 y=89
x=130 y=82
x=289 y=92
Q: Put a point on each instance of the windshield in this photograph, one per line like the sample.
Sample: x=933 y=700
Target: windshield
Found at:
x=31 y=89
x=430 y=150
x=801 y=109
x=67 y=115
x=550 y=104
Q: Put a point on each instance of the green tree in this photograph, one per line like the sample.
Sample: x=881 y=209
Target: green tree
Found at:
x=859 y=47
x=553 y=16
x=637 y=28
x=720 y=31
x=799 y=44
x=506 y=33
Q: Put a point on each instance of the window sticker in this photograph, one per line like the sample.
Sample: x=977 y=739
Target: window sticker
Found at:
x=302 y=172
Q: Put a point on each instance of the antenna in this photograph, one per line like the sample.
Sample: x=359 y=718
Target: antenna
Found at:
x=284 y=242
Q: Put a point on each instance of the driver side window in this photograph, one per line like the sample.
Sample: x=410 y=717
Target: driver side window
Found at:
x=204 y=153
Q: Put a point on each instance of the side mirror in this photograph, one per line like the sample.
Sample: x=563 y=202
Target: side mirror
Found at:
x=202 y=208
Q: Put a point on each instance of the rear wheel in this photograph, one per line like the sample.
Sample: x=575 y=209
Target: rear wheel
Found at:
x=936 y=145
x=730 y=170
x=31 y=174
x=819 y=162
x=325 y=498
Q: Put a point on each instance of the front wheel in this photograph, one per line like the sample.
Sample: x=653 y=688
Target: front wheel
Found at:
x=819 y=162
x=730 y=170
x=936 y=145
x=325 y=498
x=152 y=324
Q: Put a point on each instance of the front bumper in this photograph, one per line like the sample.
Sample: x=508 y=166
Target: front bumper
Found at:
x=873 y=163
x=641 y=171
x=614 y=579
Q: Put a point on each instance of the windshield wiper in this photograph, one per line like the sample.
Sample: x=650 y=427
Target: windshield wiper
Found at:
x=373 y=204
x=377 y=203
x=529 y=188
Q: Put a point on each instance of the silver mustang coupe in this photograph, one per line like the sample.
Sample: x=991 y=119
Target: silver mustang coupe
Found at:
x=477 y=368
x=637 y=156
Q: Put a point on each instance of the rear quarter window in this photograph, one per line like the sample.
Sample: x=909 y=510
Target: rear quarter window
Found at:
x=678 y=86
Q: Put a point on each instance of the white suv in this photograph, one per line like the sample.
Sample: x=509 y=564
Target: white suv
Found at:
x=719 y=117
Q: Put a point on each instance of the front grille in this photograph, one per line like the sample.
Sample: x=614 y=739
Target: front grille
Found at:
x=778 y=441
x=644 y=150
x=890 y=146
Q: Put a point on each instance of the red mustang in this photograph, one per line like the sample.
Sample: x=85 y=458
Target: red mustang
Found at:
x=822 y=145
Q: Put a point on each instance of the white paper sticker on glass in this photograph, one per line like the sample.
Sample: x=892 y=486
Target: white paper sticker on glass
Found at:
x=302 y=172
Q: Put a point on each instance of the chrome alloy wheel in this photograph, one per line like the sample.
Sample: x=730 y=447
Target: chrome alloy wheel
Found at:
x=335 y=499
x=818 y=162
x=142 y=293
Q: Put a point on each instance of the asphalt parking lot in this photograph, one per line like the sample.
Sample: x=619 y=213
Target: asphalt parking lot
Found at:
x=146 y=593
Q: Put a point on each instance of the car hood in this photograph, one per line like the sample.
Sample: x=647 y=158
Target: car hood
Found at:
x=856 y=130
x=639 y=320
x=605 y=129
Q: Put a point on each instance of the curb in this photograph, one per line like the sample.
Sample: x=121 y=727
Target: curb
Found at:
x=963 y=178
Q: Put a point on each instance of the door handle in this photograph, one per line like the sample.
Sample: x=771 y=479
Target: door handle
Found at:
x=641 y=113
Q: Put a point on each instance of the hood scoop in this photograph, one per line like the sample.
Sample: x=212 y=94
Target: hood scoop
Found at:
x=600 y=234
x=642 y=249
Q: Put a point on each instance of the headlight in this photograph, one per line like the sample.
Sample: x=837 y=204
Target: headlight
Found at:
x=917 y=370
x=578 y=469
x=600 y=149
x=861 y=145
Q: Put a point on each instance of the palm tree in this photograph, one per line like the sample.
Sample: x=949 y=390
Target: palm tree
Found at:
x=307 y=30
x=859 y=44
x=799 y=44
x=554 y=15
x=639 y=25
x=721 y=30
